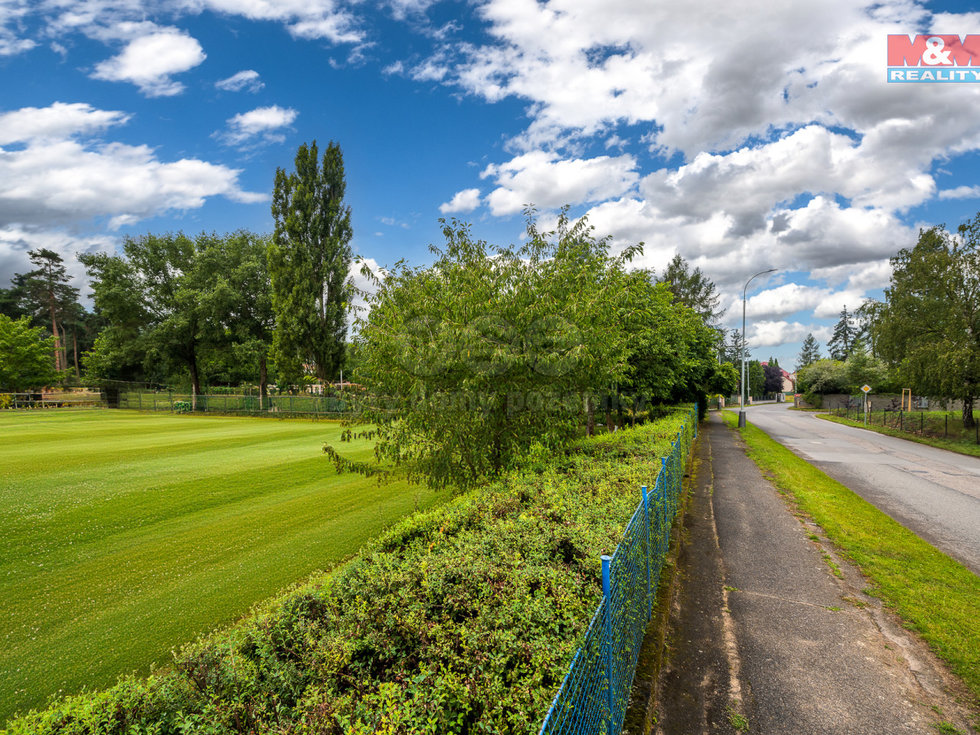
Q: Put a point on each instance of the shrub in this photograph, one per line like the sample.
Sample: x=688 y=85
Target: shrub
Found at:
x=182 y=407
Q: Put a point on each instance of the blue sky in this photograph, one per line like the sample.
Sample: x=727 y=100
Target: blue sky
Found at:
x=741 y=136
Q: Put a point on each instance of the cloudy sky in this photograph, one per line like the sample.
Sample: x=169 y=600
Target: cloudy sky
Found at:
x=743 y=136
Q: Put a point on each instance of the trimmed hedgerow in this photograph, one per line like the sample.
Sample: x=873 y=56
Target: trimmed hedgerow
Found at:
x=462 y=619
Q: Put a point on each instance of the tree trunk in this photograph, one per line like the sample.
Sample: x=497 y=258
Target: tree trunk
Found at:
x=64 y=346
x=263 y=381
x=609 y=420
x=74 y=345
x=195 y=383
x=57 y=336
x=968 y=421
x=590 y=420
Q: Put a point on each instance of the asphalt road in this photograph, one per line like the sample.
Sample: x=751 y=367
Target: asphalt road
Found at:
x=930 y=491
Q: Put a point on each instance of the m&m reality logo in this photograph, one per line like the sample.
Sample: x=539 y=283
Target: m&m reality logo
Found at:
x=934 y=58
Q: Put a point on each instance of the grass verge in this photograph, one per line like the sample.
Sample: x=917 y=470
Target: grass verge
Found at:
x=934 y=595
x=960 y=446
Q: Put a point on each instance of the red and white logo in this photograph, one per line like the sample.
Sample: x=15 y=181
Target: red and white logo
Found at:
x=934 y=58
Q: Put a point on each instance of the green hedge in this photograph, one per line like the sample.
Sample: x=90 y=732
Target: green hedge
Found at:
x=463 y=619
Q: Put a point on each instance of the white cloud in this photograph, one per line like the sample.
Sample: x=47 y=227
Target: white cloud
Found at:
x=794 y=153
x=303 y=18
x=545 y=180
x=11 y=12
x=774 y=333
x=790 y=298
x=247 y=80
x=16 y=240
x=364 y=285
x=52 y=182
x=463 y=201
x=59 y=120
x=867 y=276
x=149 y=61
x=781 y=300
x=114 y=19
x=961 y=192
x=64 y=181
x=261 y=124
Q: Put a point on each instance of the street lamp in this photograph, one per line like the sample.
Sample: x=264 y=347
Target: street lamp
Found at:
x=741 y=408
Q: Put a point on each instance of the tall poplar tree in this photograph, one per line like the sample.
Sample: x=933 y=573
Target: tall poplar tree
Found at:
x=309 y=261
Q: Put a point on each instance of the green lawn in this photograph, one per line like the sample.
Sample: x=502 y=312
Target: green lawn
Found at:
x=123 y=535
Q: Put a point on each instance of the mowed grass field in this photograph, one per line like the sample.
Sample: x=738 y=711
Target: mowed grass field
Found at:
x=123 y=535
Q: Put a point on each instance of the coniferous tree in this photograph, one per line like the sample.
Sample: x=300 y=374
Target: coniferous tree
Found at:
x=841 y=344
x=309 y=261
x=49 y=292
x=733 y=350
x=810 y=352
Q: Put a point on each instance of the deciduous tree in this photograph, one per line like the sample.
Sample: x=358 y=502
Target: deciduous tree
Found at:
x=152 y=301
x=929 y=323
x=25 y=355
x=773 y=378
x=674 y=351
x=237 y=294
x=490 y=350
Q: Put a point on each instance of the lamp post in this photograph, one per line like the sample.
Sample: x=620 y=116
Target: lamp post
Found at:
x=741 y=408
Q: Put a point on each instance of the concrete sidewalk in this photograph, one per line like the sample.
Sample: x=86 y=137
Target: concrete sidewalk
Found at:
x=764 y=636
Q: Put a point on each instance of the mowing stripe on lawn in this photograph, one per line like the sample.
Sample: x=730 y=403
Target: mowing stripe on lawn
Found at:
x=124 y=535
x=934 y=595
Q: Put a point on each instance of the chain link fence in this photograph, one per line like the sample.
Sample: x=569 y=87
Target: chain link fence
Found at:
x=595 y=692
x=248 y=405
x=933 y=424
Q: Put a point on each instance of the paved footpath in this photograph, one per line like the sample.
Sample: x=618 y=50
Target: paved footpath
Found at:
x=762 y=629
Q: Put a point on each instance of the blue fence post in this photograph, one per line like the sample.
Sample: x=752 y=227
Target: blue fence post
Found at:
x=665 y=485
x=607 y=594
x=646 y=524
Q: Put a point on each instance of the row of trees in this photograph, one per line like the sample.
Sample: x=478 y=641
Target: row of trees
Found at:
x=924 y=334
x=205 y=309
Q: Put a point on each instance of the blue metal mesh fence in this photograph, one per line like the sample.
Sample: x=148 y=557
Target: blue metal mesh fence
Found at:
x=592 y=698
